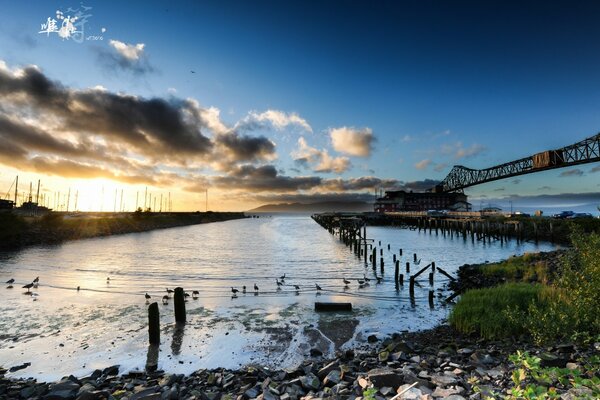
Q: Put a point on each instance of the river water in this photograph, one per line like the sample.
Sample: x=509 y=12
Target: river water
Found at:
x=62 y=331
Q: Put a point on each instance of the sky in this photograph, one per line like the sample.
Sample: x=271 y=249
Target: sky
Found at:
x=281 y=101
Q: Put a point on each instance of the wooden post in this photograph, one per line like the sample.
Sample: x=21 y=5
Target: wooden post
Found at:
x=374 y=258
x=153 y=324
x=179 y=301
x=381 y=264
x=365 y=240
x=381 y=251
x=431 y=278
x=415 y=257
x=411 y=287
x=388 y=246
x=394 y=258
x=433 y=266
x=407 y=267
x=396 y=273
x=431 y=299
x=402 y=279
x=400 y=252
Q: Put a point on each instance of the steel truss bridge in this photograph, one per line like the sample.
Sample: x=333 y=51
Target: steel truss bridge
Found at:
x=585 y=151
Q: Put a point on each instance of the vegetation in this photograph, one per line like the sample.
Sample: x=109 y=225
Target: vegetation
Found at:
x=17 y=231
x=531 y=381
x=527 y=268
x=564 y=307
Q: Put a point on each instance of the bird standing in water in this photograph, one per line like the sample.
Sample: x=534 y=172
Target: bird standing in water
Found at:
x=318 y=287
x=244 y=289
x=195 y=294
x=234 y=290
x=28 y=287
x=165 y=299
x=147 y=296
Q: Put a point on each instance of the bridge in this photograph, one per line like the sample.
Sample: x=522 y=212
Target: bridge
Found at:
x=583 y=152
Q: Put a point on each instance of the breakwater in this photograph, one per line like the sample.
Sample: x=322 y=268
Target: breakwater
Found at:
x=18 y=231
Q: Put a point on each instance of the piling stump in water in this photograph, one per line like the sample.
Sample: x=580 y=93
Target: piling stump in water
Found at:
x=179 y=301
x=321 y=306
x=153 y=324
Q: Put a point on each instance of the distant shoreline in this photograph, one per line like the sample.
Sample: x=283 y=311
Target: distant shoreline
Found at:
x=18 y=231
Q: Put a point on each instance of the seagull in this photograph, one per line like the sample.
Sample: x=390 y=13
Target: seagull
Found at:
x=360 y=282
x=346 y=281
x=186 y=294
x=10 y=281
x=278 y=283
x=318 y=287
x=234 y=290
x=244 y=289
x=195 y=294
x=378 y=279
x=193 y=72
x=169 y=291
x=165 y=299
x=107 y=279
x=418 y=262
x=255 y=288
x=147 y=296
x=282 y=277
x=366 y=279
x=296 y=287
x=36 y=280
x=28 y=287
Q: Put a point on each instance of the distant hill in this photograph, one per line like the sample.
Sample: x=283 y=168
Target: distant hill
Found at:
x=325 y=206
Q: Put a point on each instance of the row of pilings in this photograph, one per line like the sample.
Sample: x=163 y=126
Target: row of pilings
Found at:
x=352 y=232
x=478 y=229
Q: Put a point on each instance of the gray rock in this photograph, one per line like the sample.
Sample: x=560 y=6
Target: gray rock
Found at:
x=147 y=394
x=327 y=369
x=410 y=394
x=310 y=382
x=381 y=377
x=443 y=380
x=111 y=371
x=333 y=378
x=95 y=395
x=253 y=392
x=372 y=338
x=27 y=391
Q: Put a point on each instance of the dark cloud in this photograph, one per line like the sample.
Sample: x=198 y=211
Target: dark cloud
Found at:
x=246 y=148
x=571 y=172
x=260 y=179
x=362 y=183
x=314 y=198
x=419 y=186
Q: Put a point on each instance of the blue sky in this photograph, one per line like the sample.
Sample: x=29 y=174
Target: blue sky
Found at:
x=432 y=83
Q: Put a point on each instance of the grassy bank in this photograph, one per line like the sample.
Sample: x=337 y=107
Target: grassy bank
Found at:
x=17 y=231
x=530 y=295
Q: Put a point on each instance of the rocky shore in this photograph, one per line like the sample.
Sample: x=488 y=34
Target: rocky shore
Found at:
x=432 y=364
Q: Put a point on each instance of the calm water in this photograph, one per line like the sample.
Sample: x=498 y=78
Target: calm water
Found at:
x=62 y=331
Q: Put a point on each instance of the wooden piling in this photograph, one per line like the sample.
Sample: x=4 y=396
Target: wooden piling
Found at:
x=401 y=279
x=400 y=252
x=415 y=257
x=407 y=267
x=374 y=257
x=179 y=301
x=153 y=324
x=394 y=258
x=431 y=278
x=396 y=272
x=381 y=264
x=431 y=299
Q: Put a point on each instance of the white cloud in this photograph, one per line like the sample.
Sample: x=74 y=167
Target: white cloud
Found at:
x=458 y=151
x=319 y=159
x=132 y=52
x=352 y=141
x=423 y=164
x=278 y=119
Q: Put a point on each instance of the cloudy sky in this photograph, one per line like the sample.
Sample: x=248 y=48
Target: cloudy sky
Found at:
x=260 y=102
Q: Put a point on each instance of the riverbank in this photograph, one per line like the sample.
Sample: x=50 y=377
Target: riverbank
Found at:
x=17 y=231
x=436 y=363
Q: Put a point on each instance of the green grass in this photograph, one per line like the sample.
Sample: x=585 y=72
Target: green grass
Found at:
x=487 y=312
x=526 y=268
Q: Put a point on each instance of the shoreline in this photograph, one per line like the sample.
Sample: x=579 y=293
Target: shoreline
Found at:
x=429 y=364
x=19 y=232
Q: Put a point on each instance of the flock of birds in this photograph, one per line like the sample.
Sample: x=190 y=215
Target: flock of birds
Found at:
x=362 y=283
